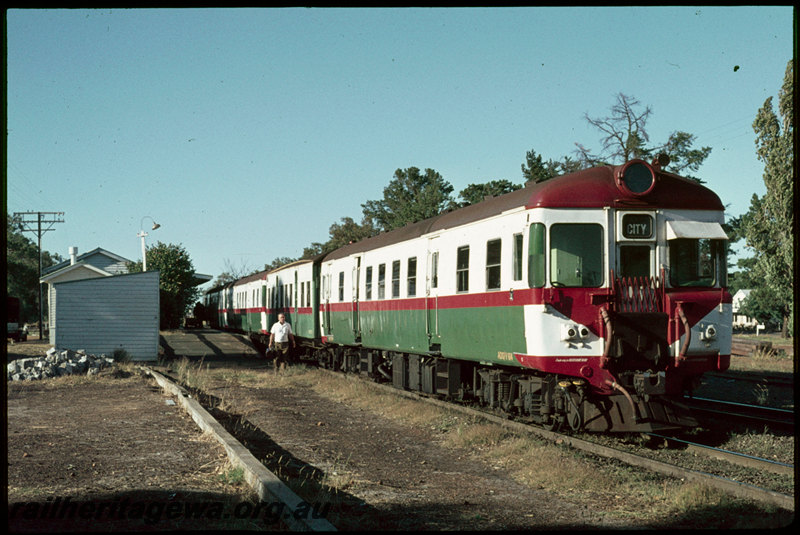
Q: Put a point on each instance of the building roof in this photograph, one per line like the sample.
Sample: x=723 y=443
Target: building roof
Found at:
x=72 y=268
x=84 y=256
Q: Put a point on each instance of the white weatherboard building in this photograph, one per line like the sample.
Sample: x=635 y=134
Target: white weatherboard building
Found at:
x=95 y=305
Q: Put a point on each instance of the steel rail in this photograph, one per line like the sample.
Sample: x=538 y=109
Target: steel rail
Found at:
x=741 y=459
x=780 y=418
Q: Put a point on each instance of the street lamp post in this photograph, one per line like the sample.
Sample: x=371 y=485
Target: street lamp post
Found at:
x=141 y=235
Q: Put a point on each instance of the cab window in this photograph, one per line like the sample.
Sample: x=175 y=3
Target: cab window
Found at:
x=696 y=262
x=576 y=255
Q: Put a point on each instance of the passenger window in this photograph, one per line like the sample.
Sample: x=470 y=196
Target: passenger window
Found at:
x=369 y=282
x=396 y=279
x=462 y=269
x=576 y=255
x=412 y=276
x=341 y=286
x=493 y=264
x=382 y=281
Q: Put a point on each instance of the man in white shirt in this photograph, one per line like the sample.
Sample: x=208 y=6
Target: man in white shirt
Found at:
x=279 y=337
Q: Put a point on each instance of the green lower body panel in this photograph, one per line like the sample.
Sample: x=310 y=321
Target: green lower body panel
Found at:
x=489 y=335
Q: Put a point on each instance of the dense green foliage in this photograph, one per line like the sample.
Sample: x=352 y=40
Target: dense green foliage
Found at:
x=411 y=196
x=177 y=290
x=768 y=227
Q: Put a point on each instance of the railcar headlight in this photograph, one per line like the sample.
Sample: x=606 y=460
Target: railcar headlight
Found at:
x=568 y=332
x=636 y=178
x=572 y=333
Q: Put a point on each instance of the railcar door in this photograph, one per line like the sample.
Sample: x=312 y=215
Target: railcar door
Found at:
x=635 y=244
x=432 y=295
x=356 y=298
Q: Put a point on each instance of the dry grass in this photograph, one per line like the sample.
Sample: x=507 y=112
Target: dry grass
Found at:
x=616 y=488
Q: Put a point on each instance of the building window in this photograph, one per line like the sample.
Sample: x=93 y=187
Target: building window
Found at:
x=396 y=279
x=493 y=264
x=462 y=269
x=412 y=277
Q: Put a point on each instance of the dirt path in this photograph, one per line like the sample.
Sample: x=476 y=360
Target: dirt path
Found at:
x=110 y=453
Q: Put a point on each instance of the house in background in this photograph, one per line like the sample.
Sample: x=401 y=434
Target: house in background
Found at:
x=740 y=321
x=96 y=305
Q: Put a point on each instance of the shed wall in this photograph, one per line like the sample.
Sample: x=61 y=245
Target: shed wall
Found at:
x=102 y=315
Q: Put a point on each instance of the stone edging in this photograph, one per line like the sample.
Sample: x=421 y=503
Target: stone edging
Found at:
x=268 y=486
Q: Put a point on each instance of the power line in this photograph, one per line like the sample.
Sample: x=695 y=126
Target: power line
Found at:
x=27 y=220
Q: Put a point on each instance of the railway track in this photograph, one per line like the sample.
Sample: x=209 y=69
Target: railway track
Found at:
x=741 y=459
x=712 y=409
x=736 y=488
x=780 y=381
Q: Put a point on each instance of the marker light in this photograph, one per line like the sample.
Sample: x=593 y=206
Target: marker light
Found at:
x=636 y=178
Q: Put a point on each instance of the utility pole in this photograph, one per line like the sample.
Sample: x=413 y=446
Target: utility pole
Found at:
x=28 y=220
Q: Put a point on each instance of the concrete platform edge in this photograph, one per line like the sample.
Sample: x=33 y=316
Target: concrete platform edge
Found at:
x=266 y=484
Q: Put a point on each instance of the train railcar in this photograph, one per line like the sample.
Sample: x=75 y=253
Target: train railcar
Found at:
x=251 y=304
x=591 y=300
x=293 y=290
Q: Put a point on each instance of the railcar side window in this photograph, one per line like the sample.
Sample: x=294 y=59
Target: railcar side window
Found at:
x=369 y=283
x=412 y=276
x=517 y=257
x=536 y=256
x=381 y=281
x=576 y=255
x=341 y=286
x=493 y=264
x=462 y=269
x=696 y=262
x=396 y=279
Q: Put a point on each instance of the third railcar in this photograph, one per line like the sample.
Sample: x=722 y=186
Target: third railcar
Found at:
x=591 y=300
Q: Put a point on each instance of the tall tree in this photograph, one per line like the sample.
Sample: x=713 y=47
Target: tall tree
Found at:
x=625 y=137
x=768 y=226
x=340 y=234
x=475 y=193
x=276 y=263
x=535 y=169
x=624 y=133
x=411 y=196
x=177 y=290
x=231 y=273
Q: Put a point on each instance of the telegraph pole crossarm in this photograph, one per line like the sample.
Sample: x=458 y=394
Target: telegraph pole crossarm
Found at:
x=27 y=220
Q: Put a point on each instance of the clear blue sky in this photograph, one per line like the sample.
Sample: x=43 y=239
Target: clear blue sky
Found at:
x=246 y=133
